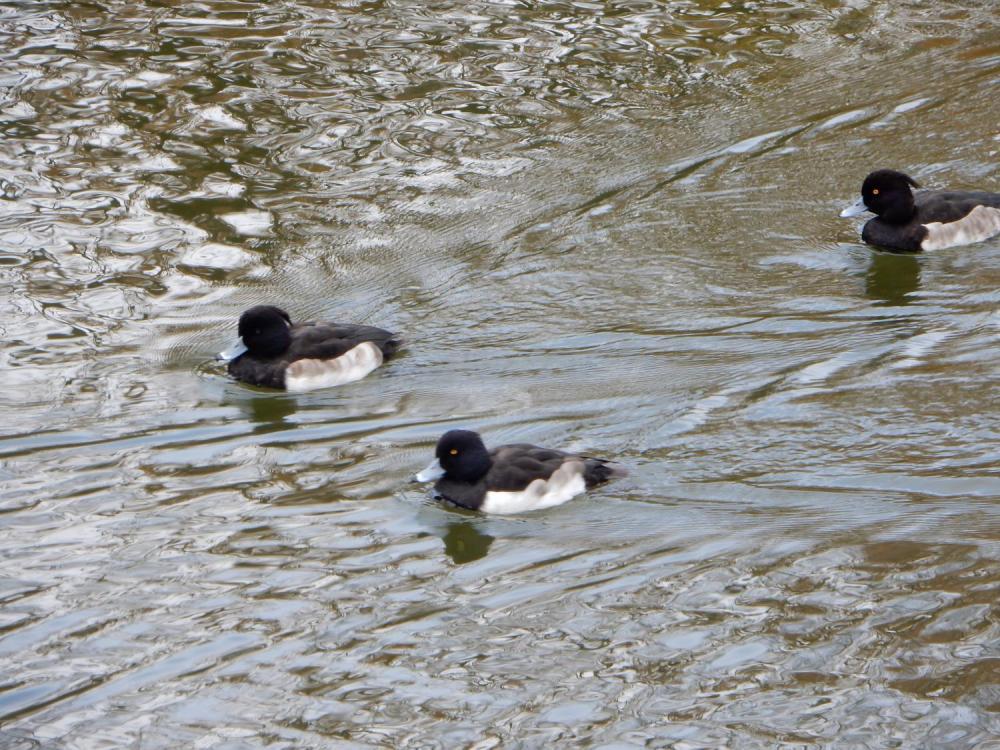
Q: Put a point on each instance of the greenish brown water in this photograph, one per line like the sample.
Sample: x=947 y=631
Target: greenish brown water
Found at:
x=608 y=227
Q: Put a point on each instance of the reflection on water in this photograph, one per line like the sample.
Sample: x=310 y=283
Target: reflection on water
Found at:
x=892 y=277
x=267 y=411
x=610 y=227
x=464 y=543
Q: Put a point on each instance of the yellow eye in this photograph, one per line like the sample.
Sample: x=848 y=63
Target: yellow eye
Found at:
x=875 y=191
x=454 y=451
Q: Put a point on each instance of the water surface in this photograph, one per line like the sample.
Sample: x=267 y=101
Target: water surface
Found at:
x=608 y=227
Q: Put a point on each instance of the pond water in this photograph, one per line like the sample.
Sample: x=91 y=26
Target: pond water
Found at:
x=607 y=227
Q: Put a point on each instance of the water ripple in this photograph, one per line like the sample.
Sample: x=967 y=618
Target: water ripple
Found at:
x=610 y=227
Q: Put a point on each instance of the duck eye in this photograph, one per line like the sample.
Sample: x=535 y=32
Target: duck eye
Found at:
x=875 y=191
x=454 y=451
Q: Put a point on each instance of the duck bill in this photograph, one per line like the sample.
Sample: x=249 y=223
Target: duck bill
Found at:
x=431 y=473
x=236 y=350
x=856 y=210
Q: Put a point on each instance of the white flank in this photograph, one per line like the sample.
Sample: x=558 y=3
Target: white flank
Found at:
x=308 y=374
x=566 y=482
x=979 y=224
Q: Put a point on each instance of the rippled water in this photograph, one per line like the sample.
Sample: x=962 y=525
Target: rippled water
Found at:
x=609 y=227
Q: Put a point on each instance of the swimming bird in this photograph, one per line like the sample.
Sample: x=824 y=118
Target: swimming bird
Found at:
x=510 y=478
x=929 y=220
x=275 y=353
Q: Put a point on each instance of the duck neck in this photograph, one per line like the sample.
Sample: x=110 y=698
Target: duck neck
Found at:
x=901 y=211
x=474 y=467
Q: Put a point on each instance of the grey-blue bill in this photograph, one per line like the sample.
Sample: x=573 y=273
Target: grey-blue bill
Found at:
x=432 y=473
x=231 y=353
x=855 y=209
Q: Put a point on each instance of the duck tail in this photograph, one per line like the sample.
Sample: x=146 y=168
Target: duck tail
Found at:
x=391 y=345
x=600 y=470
